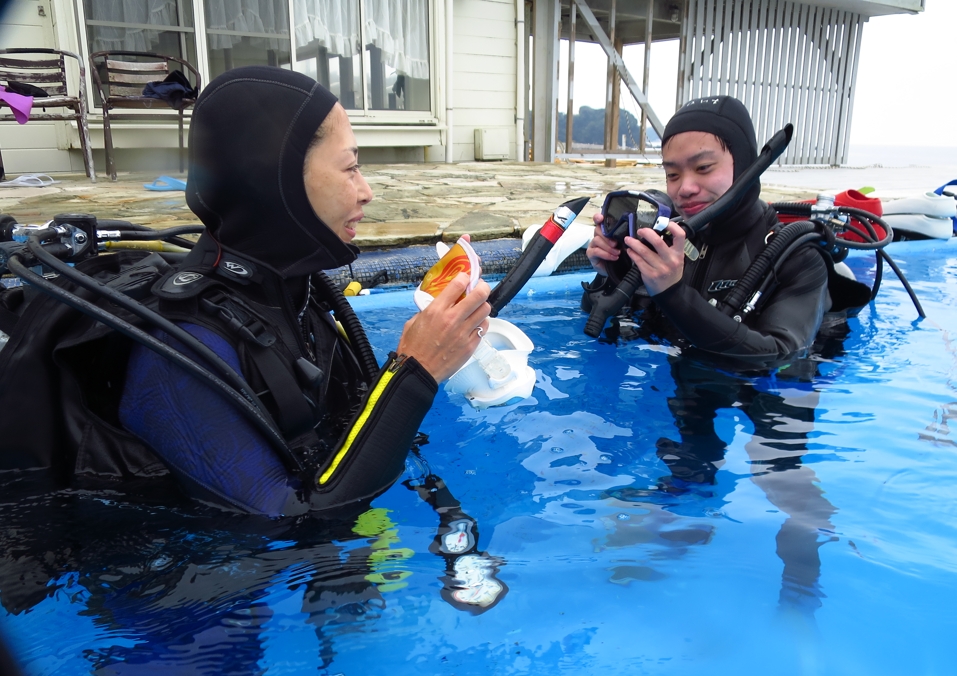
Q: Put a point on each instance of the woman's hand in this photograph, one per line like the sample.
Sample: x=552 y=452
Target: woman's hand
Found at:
x=443 y=336
x=661 y=266
x=601 y=248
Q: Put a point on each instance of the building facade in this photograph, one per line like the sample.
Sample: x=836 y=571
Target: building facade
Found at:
x=417 y=77
x=455 y=80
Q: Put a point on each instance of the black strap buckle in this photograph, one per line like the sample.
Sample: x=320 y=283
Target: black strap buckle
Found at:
x=238 y=320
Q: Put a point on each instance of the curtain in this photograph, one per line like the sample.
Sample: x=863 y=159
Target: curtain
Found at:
x=153 y=12
x=333 y=24
x=247 y=16
x=400 y=28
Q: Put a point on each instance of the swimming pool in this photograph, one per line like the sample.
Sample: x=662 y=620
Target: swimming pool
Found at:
x=839 y=559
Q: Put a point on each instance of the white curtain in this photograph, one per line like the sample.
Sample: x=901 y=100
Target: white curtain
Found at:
x=400 y=28
x=153 y=12
x=247 y=16
x=333 y=24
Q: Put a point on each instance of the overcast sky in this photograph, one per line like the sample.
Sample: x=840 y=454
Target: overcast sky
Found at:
x=906 y=86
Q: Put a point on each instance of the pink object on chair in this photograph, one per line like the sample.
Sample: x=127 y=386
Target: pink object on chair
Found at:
x=19 y=104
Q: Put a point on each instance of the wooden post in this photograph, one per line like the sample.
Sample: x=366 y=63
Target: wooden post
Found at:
x=647 y=74
x=614 y=133
x=545 y=80
x=611 y=111
x=570 y=109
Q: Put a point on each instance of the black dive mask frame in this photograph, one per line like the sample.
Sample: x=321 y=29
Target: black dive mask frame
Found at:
x=624 y=212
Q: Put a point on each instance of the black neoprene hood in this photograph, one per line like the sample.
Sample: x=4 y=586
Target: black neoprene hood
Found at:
x=728 y=119
x=248 y=138
x=723 y=116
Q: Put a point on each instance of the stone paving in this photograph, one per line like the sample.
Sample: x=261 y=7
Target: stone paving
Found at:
x=414 y=203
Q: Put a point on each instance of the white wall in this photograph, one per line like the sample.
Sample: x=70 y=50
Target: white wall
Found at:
x=484 y=61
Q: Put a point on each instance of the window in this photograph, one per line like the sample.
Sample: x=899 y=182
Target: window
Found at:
x=374 y=55
x=246 y=33
x=163 y=26
x=393 y=65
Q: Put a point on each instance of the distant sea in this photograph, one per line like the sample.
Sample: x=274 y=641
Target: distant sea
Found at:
x=901 y=156
x=894 y=171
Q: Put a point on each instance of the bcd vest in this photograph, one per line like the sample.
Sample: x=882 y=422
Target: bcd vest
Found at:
x=62 y=373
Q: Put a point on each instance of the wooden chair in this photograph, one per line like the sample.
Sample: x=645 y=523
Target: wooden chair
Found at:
x=47 y=70
x=120 y=77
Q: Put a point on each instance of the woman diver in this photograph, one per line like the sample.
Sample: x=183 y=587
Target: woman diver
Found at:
x=275 y=179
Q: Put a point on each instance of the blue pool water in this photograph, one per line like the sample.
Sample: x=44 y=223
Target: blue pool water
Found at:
x=838 y=557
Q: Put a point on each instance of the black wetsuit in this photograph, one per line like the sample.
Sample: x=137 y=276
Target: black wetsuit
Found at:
x=788 y=320
x=786 y=325
x=349 y=430
x=250 y=135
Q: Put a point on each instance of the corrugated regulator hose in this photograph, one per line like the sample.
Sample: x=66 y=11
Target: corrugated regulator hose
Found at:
x=759 y=268
x=350 y=322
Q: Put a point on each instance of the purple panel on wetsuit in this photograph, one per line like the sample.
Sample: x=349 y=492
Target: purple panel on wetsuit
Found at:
x=198 y=433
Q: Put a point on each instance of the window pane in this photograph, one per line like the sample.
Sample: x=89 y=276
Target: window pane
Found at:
x=136 y=25
x=327 y=46
x=158 y=26
x=397 y=54
x=245 y=33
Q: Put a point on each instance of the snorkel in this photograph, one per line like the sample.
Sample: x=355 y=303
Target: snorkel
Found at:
x=536 y=251
x=609 y=304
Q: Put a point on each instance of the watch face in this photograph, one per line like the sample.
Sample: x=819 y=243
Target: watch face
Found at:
x=460 y=258
x=459 y=539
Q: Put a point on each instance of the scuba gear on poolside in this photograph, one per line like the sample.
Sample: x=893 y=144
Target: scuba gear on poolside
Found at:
x=533 y=255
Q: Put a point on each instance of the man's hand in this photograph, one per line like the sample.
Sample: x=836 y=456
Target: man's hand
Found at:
x=661 y=266
x=443 y=336
x=601 y=248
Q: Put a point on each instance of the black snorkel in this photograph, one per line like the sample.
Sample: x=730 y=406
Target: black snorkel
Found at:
x=539 y=246
x=609 y=304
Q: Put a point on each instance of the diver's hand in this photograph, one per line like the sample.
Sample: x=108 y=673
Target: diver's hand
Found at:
x=661 y=266
x=601 y=248
x=443 y=336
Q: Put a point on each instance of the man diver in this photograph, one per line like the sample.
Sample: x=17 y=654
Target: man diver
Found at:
x=706 y=145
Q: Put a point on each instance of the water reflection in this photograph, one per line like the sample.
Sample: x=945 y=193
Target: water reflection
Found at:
x=182 y=589
x=622 y=490
x=470 y=582
x=783 y=419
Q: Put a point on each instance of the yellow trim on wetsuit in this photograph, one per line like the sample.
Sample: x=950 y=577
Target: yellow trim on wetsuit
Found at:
x=361 y=420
